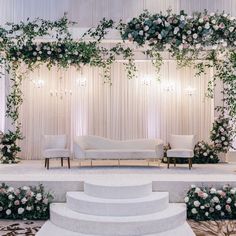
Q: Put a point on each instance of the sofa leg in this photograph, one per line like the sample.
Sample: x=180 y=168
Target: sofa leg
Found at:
x=45 y=162
x=168 y=162
x=61 y=161
x=68 y=162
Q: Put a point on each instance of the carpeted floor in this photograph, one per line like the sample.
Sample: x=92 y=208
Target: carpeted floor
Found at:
x=207 y=228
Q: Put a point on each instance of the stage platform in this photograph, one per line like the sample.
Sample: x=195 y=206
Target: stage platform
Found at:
x=59 y=180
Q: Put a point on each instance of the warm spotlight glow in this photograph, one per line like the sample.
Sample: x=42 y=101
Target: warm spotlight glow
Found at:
x=147 y=79
x=190 y=90
x=39 y=83
x=168 y=86
x=82 y=81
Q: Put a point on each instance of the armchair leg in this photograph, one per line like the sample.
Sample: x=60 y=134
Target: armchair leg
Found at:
x=174 y=161
x=190 y=163
x=68 y=162
x=47 y=163
x=61 y=161
x=168 y=162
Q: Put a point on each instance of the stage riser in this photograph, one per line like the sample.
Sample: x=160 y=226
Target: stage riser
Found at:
x=177 y=189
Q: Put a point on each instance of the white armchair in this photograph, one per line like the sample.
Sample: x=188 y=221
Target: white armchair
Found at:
x=181 y=147
x=54 y=146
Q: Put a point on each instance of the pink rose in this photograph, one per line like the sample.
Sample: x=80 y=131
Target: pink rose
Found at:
x=17 y=202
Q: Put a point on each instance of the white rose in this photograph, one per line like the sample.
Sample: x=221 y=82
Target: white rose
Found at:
x=229 y=200
x=197 y=190
x=207 y=25
x=213 y=21
x=223 y=138
x=225 y=15
x=202 y=207
x=25 y=188
x=10 y=197
x=226 y=143
x=212 y=14
x=200 y=20
x=215 y=199
x=186 y=199
x=1 y=208
x=140 y=32
x=196 y=203
x=193 y=186
x=8 y=212
x=182 y=18
x=146 y=28
x=10 y=189
x=49 y=52
x=233 y=191
x=159 y=36
x=195 y=36
x=38 y=196
x=205 y=195
x=194 y=211
x=231 y=29
x=189 y=32
x=28 y=208
x=206 y=214
x=20 y=210
x=216 y=27
x=218 y=207
x=205 y=154
x=35 y=53
x=24 y=200
x=38 y=58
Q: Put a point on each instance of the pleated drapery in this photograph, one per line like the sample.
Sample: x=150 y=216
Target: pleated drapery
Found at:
x=62 y=102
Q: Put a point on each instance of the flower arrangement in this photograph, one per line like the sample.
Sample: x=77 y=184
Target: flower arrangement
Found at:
x=9 y=147
x=222 y=134
x=30 y=203
x=205 y=153
x=210 y=203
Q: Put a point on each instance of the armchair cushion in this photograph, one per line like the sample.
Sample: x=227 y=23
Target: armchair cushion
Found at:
x=184 y=153
x=56 y=152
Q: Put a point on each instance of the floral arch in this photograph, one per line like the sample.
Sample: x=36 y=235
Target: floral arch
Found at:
x=203 y=40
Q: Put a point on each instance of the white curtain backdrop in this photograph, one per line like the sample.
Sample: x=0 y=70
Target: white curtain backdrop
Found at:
x=128 y=109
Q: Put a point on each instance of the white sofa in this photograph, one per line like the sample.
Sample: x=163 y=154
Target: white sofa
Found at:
x=99 y=148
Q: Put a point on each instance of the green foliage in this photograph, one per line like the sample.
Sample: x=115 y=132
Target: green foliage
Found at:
x=31 y=203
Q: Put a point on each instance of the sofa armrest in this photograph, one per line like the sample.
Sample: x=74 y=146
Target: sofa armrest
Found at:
x=79 y=151
x=159 y=148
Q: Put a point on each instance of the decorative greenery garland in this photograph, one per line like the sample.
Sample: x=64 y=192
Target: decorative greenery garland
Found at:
x=203 y=36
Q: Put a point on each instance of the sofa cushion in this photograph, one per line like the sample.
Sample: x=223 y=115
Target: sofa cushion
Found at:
x=120 y=154
x=95 y=142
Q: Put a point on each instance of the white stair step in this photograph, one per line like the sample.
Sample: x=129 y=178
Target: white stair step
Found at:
x=113 y=189
x=83 y=203
x=49 y=229
x=165 y=220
